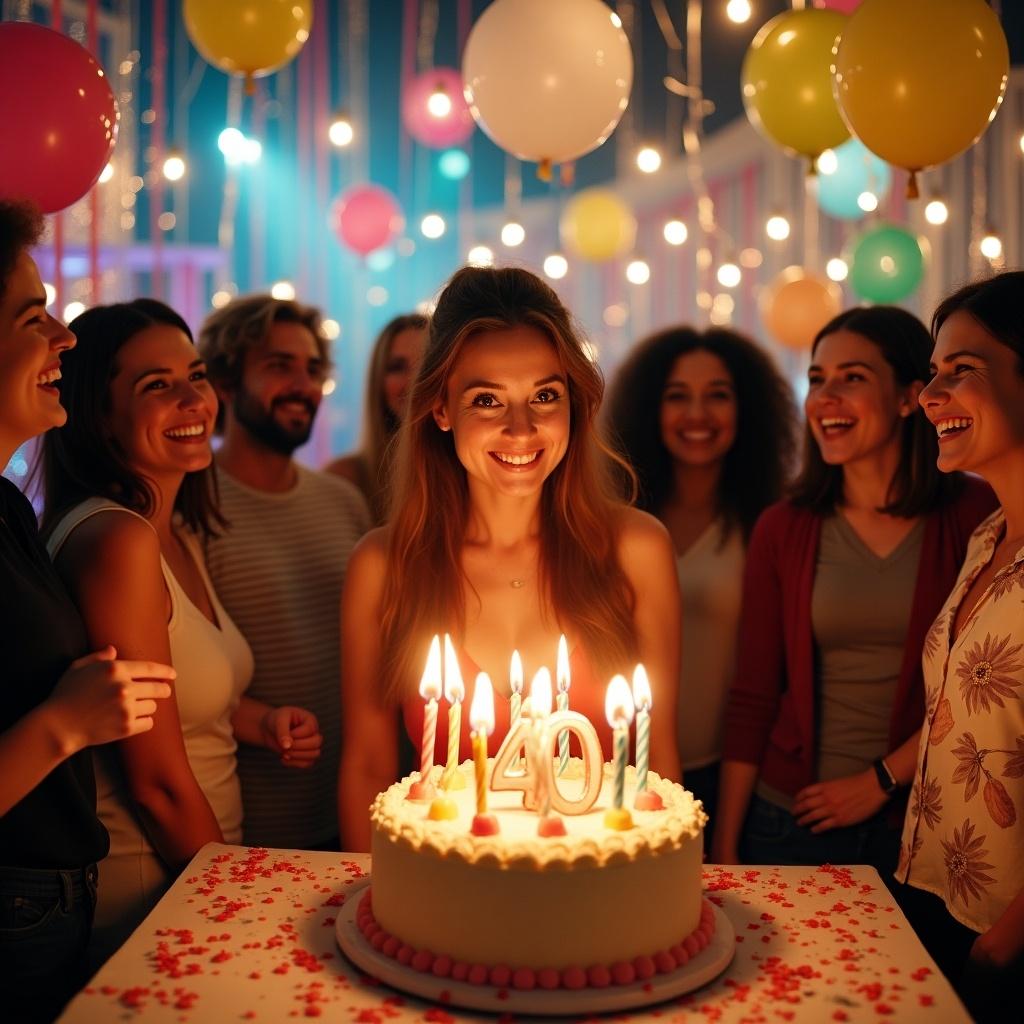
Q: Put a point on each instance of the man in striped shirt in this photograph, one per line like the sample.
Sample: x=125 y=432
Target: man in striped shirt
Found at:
x=280 y=563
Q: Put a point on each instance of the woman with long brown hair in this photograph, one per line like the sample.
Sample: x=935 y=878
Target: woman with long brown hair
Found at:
x=506 y=533
x=394 y=361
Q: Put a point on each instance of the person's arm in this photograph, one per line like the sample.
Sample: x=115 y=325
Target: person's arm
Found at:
x=753 y=704
x=648 y=559
x=291 y=733
x=98 y=699
x=111 y=566
x=369 y=748
x=854 y=798
x=1003 y=944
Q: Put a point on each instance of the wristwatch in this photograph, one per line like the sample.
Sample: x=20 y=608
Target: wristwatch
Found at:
x=886 y=779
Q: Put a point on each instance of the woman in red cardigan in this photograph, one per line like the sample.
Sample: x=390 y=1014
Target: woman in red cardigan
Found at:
x=842 y=582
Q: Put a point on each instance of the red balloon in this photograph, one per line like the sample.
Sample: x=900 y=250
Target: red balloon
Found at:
x=60 y=117
x=366 y=217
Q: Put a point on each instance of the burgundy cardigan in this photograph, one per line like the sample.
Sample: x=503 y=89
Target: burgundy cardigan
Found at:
x=771 y=714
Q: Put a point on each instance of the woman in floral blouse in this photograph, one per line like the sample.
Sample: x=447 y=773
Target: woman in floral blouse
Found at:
x=963 y=839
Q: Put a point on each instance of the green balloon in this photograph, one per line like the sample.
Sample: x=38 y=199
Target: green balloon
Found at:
x=887 y=264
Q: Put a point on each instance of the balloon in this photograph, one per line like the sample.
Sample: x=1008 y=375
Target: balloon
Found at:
x=548 y=81
x=437 y=130
x=842 y=6
x=857 y=170
x=787 y=82
x=248 y=37
x=887 y=264
x=597 y=225
x=60 y=118
x=918 y=81
x=797 y=304
x=366 y=217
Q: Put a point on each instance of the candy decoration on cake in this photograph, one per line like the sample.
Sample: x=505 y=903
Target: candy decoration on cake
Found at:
x=646 y=799
x=422 y=790
x=454 y=693
x=562 y=676
x=481 y=724
x=618 y=708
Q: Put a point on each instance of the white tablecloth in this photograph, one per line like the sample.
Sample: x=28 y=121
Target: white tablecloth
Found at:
x=248 y=934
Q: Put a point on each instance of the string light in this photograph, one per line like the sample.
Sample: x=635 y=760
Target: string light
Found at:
x=513 y=234
x=106 y=174
x=648 y=160
x=675 y=232
x=51 y=293
x=480 y=256
x=777 y=228
x=238 y=149
x=867 y=201
x=615 y=315
x=439 y=103
x=837 y=269
x=556 y=266
x=433 y=226
x=283 y=290
x=738 y=11
x=729 y=274
x=638 y=272
x=991 y=246
x=453 y=164
x=174 y=165
x=329 y=385
x=331 y=329
x=936 y=212
x=341 y=133
x=828 y=162
x=73 y=309
x=377 y=295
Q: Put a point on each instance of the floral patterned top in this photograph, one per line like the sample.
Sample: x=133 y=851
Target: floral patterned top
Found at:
x=963 y=838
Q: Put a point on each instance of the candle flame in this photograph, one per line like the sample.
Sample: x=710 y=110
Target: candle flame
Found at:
x=481 y=710
x=540 y=693
x=515 y=673
x=430 y=684
x=618 y=703
x=454 y=687
x=641 y=689
x=562 y=666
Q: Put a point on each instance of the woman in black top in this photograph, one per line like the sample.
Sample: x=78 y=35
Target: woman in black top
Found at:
x=54 y=702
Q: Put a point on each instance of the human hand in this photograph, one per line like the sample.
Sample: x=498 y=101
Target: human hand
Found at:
x=997 y=948
x=723 y=851
x=846 y=801
x=100 y=699
x=294 y=734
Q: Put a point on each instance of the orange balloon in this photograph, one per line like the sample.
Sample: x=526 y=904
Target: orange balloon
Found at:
x=797 y=304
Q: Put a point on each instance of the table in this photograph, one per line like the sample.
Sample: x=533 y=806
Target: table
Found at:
x=248 y=934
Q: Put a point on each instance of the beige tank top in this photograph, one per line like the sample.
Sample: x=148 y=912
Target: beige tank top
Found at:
x=214 y=666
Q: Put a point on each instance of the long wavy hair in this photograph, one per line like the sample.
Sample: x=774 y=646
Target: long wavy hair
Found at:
x=582 y=583
x=380 y=424
x=757 y=466
x=78 y=460
x=917 y=486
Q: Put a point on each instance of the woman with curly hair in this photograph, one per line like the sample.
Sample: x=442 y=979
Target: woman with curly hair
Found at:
x=507 y=532
x=708 y=424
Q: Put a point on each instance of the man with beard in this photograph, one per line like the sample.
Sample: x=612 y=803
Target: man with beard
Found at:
x=279 y=565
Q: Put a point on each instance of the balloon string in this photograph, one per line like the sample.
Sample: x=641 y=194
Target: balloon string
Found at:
x=94 y=204
x=57 y=23
x=158 y=139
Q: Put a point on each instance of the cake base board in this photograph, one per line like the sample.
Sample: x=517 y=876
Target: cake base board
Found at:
x=703 y=968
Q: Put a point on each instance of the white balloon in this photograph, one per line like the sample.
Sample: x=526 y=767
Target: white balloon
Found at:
x=548 y=80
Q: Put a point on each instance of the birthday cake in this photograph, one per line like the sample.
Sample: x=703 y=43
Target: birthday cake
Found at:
x=596 y=906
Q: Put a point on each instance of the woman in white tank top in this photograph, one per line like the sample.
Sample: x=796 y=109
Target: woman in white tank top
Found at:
x=129 y=490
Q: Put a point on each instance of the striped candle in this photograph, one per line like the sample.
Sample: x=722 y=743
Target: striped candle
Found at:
x=642 y=700
x=481 y=723
x=621 y=752
x=515 y=709
x=454 y=693
x=618 y=709
x=562 y=675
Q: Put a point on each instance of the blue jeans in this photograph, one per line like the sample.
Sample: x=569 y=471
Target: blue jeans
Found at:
x=772 y=836
x=45 y=919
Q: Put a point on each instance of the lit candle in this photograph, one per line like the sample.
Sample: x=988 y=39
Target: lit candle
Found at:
x=562 y=676
x=481 y=724
x=515 y=682
x=645 y=800
x=454 y=693
x=539 y=755
x=422 y=789
x=618 y=709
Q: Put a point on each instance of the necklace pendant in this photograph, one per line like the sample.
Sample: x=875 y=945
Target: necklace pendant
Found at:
x=515 y=584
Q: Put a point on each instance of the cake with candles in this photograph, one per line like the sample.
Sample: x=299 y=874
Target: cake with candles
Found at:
x=532 y=870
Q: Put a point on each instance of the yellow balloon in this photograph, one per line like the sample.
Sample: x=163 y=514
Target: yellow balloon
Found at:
x=918 y=81
x=797 y=304
x=787 y=81
x=248 y=37
x=597 y=225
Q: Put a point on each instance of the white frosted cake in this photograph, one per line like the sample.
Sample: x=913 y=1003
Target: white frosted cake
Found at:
x=593 y=907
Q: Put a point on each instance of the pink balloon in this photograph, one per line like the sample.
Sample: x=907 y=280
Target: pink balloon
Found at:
x=843 y=6
x=366 y=217
x=60 y=118
x=450 y=129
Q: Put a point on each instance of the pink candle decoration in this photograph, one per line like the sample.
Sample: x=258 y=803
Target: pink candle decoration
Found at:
x=422 y=790
x=454 y=693
x=618 y=709
x=515 y=701
x=481 y=724
x=562 y=678
x=645 y=799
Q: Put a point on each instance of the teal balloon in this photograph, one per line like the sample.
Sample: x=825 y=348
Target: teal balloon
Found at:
x=858 y=170
x=887 y=264
x=453 y=164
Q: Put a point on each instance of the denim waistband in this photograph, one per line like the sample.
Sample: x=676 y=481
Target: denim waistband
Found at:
x=66 y=884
